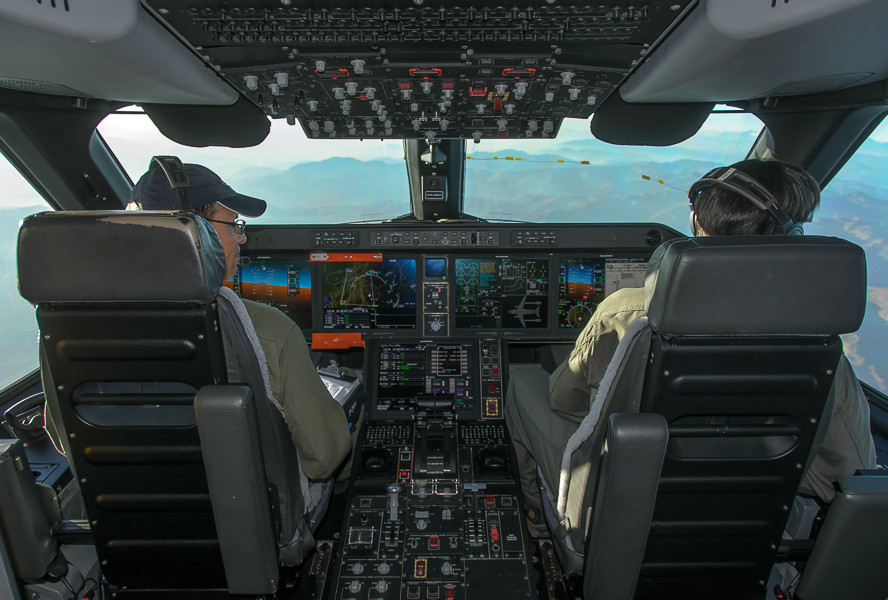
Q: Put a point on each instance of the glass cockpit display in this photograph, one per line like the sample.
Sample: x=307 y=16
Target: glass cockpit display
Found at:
x=580 y=290
x=584 y=282
x=502 y=293
x=369 y=295
x=436 y=372
x=283 y=283
x=621 y=273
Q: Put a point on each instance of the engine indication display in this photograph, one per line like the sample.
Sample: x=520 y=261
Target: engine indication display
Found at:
x=408 y=372
x=501 y=293
x=624 y=272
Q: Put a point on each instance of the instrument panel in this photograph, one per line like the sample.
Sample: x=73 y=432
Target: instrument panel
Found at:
x=530 y=282
x=434 y=509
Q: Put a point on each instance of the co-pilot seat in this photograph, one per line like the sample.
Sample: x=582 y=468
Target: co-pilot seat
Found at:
x=730 y=375
x=155 y=380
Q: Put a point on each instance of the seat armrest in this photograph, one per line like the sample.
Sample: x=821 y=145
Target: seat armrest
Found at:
x=624 y=503
x=845 y=561
x=25 y=526
x=232 y=453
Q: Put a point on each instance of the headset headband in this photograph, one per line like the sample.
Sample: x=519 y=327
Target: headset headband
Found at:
x=748 y=187
x=175 y=173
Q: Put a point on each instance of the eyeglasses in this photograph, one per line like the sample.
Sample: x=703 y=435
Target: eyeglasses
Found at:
x=239 y=225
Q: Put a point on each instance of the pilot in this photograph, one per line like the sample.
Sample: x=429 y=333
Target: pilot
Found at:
x=316 y=421
x=541 y=429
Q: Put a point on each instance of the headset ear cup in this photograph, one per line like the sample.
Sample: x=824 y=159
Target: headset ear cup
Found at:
x=794 y=229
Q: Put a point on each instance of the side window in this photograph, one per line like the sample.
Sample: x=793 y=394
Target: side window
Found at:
x=18 y=325
x=854 y=206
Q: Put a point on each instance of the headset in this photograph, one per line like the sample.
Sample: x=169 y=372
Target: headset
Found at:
x=740 y=183
x=175 y=173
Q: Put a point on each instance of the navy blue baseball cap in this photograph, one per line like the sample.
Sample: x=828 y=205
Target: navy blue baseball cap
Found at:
x=154 y=192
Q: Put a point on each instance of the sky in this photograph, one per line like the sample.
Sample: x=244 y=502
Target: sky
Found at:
x=16 y=190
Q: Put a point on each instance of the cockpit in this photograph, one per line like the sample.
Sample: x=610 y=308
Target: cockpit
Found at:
x=453 y=191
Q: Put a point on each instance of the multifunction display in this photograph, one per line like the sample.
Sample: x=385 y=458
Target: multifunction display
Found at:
x=411 y=375
x=584 y=282
x=501 y=293
x=280 y=282
x=369 y=295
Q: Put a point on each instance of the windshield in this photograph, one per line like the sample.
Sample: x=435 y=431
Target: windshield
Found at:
x=303 y=181
x=854 y=206
x=577 y=178
x=18 y=343
x=573 y=178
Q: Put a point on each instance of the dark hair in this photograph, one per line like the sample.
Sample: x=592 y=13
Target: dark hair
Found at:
x=206 y=211
x=720 y=211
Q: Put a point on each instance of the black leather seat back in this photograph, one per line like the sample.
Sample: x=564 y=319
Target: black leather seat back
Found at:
x=743 y=353
x=129 y=333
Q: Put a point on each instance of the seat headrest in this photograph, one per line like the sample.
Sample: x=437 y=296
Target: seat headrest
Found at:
x=756 y=285
x=119 y=256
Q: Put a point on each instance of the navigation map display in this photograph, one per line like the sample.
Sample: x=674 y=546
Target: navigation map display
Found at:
x=369 y=295
x=435 y=371
x=283 y=283
x=584 y=282
x=502 y=293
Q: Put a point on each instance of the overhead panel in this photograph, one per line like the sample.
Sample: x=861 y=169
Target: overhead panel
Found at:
x=417 y=69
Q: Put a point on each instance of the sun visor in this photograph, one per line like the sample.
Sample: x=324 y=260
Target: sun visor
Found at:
x=109 y=49
x=649 y=124
x=239 y=125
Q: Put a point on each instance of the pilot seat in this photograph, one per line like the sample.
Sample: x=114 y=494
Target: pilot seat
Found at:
x=156 y=386
x=682 y=476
